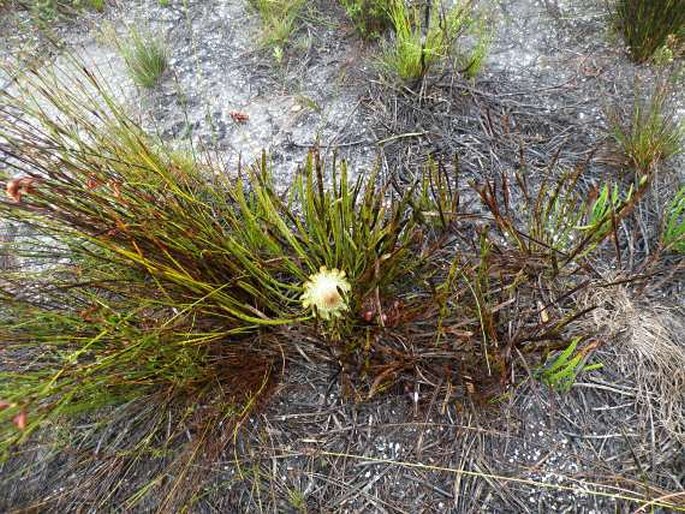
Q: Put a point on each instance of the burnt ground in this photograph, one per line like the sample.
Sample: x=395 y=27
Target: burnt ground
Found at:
x=555 y=69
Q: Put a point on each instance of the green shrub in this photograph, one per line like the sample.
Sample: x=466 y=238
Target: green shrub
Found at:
x=423 y=36
x=158 y=280
x=370 y=17
x=647 y=24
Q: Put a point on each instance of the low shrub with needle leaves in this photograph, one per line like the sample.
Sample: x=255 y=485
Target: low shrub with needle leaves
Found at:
x=149 y=274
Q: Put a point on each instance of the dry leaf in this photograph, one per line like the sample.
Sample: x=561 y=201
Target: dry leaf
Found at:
x=239 y=117
x=19 y=186
x=20 y=420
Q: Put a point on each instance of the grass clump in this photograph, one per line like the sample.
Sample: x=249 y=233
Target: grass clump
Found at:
x=647 y=25
x=483 y=34
x=424 y=35
x=279 y=19
x=651 y=133
x=370 y=17
x=145 y=57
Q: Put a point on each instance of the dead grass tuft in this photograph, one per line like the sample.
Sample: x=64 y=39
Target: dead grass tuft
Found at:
x=652 y=340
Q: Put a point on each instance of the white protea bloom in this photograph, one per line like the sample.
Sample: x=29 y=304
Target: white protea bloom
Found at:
x=325 y=293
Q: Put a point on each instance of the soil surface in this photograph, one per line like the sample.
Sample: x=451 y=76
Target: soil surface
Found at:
x=554 y=69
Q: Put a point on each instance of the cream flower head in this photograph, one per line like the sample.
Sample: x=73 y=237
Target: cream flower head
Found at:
x=325 y=293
